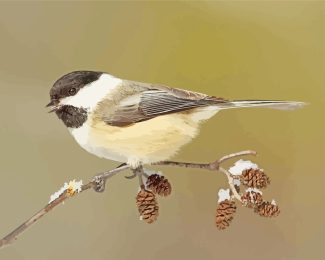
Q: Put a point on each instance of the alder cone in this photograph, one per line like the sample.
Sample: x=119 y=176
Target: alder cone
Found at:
x=254 y=178
x=147 y=206
x=225 y=214
x=159 y=185
x=267 y=209
x=251 y=198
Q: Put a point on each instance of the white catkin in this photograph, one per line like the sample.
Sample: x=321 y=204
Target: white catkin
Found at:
x=241 y=165
x=236 y=182
x=223 y=195
x=74 y=185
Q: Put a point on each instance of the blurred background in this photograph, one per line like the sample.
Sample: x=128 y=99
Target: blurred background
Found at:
x=237 y=50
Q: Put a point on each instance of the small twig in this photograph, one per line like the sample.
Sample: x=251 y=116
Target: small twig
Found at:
x=145 y=174
x=11 y=237
x=98 y=184
x=233 y=155
x=231 y=184
x=207 y=166
x=132 y=176
x=100 y=178
x=139 y=172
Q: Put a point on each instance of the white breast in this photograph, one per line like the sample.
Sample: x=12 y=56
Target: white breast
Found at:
x=88 y=98
x=82 y=136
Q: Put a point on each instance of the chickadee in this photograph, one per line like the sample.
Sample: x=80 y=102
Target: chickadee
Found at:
x=132 y=122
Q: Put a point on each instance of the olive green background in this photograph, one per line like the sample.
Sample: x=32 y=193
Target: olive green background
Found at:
x=267 y=50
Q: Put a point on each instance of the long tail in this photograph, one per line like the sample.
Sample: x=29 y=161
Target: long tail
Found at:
x=282 y=105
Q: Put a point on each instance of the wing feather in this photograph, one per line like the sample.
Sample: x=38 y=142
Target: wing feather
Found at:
x=149 y=101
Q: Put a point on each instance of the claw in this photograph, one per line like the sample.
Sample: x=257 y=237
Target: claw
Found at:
x=131 y=176
x=121 y=165
x=100 y=184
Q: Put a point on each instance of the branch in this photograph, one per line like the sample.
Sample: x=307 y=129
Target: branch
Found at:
x=98 y=184
x=213 y=166
x=233 y=155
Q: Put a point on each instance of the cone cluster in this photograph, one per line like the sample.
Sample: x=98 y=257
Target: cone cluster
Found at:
x=147 y=206
x=267 y=209
x=225 y=213
x=254 y=178
x=257 y=179
x=251 y=198
x=159 y=185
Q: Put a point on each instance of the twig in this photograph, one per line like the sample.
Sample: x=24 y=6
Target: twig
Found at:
x=139 y=172
x=233 y=155
x=231 y=183
x=98 y=184
x=207 y=166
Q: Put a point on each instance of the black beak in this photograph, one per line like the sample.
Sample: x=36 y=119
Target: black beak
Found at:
x=53 y=104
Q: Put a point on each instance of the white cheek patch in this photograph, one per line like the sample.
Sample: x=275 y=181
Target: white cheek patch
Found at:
x=90 y=95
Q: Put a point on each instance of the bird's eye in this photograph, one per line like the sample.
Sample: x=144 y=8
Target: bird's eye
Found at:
x=72 y=91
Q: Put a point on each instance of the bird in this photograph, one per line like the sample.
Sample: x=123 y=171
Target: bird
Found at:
x=136 y=123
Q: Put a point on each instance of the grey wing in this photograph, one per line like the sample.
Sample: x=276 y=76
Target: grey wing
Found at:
x=150 y=101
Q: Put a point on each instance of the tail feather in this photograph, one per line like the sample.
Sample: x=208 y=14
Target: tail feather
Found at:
x=275 y=104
